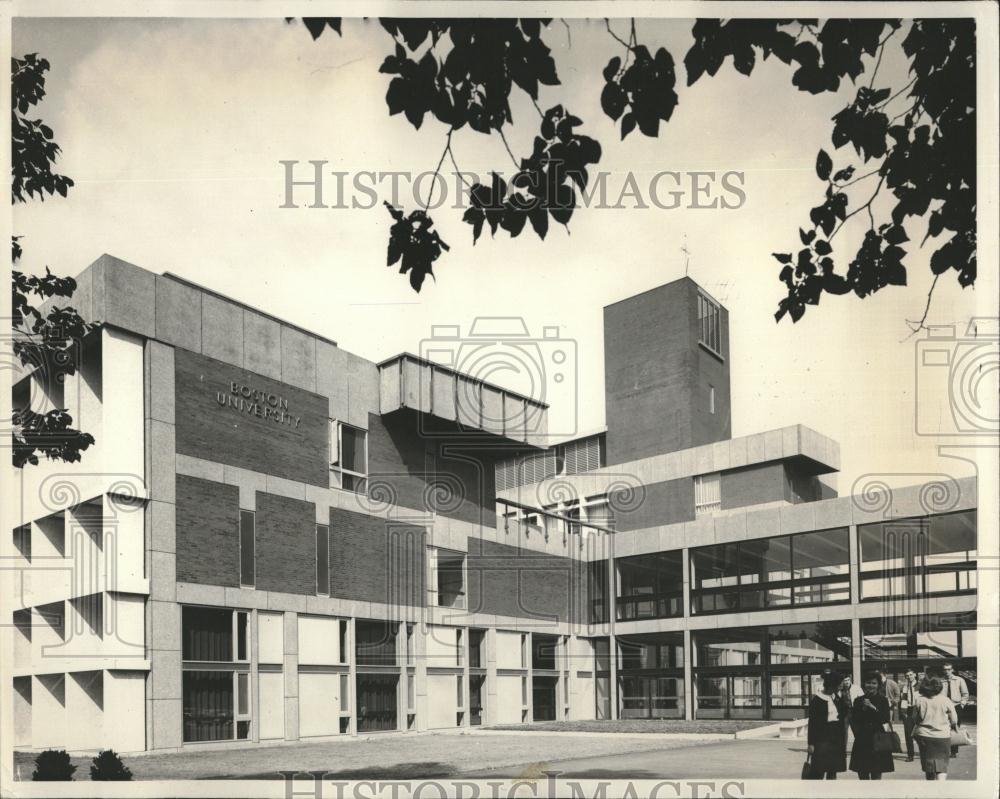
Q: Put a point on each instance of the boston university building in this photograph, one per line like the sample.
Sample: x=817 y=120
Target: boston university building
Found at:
x=273 y=540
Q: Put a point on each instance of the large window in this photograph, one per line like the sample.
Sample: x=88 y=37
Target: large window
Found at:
x=925 y=638
x=216 y=701
x=650 y=586
x=783 y=571
x=765 y=672
x=348 y=457
x=709 y=324
x=922 y=556
x=651 y=675
x=375 y=643
x=248 y=559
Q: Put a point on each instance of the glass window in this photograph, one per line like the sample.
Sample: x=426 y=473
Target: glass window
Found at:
x=709 y=324
x=543 y=655
x=650 y=586
x=242 y=626
x=930 y=637
x=822 y=642
x=739 y=647
x=376 y=643
x=207 y=634
x=345 y=696
x=707 y=497
x=918 y=556
x=248 y=564
x=243 y=693
x=348 y=457
x=450 y=579
x=821 y=554
x=208 y=705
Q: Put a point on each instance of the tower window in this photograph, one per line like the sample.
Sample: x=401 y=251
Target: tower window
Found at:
x=709 y=324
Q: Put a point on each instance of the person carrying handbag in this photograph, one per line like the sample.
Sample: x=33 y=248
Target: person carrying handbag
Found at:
x=957 y=690
x=825 y=732
x=871 y=755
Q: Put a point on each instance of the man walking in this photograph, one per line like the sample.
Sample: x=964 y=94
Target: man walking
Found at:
x=957 y=690
x=889 y=688
x=907 y=710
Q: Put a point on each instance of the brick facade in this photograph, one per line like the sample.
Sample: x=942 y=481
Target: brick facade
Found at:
x=655 y=504
x=657 y=375
x=207 y=532
x=235 y=437
x=285 y=544
x=510 y=581
x=376 y=560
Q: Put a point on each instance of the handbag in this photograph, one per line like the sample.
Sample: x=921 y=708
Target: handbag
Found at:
x=960 y=737
x=807 y=768
x=886 y=740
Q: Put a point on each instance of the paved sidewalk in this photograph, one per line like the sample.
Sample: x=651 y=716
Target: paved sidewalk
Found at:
x=749 y=759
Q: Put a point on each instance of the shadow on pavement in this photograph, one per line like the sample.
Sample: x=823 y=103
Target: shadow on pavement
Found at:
x=399 y=771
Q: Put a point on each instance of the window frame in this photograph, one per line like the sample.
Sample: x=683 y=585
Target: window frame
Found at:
x=710 y=324
x=913 y=575
x=335 y=458
x=740 y=589
x=702 y=486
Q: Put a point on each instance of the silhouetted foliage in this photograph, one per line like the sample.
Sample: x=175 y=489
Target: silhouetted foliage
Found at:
x=53 y=765
x=107 y=766
x=45 y=338
x=917 y=141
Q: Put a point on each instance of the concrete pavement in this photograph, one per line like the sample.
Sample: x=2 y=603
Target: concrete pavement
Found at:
x=747 y=759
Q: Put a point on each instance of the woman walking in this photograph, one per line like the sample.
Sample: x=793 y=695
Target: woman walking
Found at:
x=870 y=713
x=935 y=718
x=826 y=731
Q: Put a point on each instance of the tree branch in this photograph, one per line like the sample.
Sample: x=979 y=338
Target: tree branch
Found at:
x=921 y=324
x=447 y=147
x=616 y=37
x=509 y=152
x=859 y=209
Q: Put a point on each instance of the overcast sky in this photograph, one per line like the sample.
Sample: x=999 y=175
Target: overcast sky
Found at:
x=173 y=131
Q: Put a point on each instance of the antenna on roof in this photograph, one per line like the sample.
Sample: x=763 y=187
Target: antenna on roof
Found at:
x=687 y=254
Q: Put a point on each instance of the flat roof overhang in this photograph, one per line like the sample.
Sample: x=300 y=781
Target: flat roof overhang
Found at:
x=453 y=403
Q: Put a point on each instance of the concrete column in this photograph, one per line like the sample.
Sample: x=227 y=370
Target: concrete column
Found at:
x=688 y=676
x=856 y=648
x=688 y=654
x=613 y=687
x=291 y=672
x=467 y=684
x=855 y=563
x=420 y=634
x=352 y=675
x=491 y=716
x=254 y=679
x=529 y=647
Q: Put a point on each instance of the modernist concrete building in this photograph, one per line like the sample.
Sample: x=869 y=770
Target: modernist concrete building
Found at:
x=276 y=540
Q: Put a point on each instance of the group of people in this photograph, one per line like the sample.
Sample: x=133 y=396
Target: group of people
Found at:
x=929 y=707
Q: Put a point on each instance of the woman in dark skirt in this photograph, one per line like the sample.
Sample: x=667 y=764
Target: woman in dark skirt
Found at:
x=826 y=731
x=868 y=716
x=935 y=720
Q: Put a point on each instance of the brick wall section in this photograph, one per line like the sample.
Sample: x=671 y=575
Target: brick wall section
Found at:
x=510 y=581
x=376 y=560
x=753 y=485
x=409 y=463
x=669 y=502
x=207 y=532
x=656 y=375
x=285 y=544
x=206 y=429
